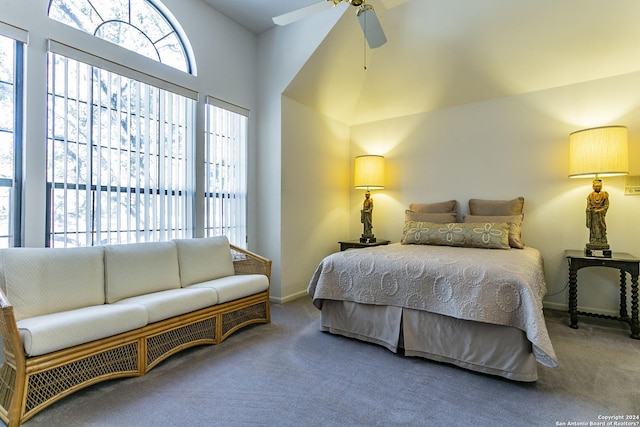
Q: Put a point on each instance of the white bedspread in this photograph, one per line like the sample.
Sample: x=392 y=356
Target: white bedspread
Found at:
x=496 y=286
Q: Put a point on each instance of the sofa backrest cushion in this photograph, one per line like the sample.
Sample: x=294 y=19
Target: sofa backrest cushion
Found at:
x=40 y=281
x=140 y=268
x=204 y=259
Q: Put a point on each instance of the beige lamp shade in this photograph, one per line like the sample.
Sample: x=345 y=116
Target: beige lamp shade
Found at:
x=369 y=172
x=600 y=151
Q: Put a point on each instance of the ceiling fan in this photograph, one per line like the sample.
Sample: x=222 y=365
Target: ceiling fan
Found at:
x=367 y=18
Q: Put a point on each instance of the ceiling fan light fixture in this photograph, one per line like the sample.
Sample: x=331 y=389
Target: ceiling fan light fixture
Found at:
x=364 y=8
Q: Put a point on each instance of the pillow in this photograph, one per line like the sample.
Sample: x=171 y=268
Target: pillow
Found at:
x=471 y=235
x=203 y=259
x=515 y=226
x=134 y=269
x=496 y=207
x=440 y=218
x=439 y=207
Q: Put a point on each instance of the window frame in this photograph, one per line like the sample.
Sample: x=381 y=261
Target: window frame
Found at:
x=232 y=200
x=20 y=39
x=157 y=6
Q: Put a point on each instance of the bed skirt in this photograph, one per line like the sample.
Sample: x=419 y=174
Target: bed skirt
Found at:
x=491 y=349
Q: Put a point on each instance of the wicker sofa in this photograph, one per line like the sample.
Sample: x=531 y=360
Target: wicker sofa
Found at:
x=78 y=316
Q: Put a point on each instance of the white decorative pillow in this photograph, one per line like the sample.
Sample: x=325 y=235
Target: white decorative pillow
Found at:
x=39 y=281
x=204 y=259
x=140 y=268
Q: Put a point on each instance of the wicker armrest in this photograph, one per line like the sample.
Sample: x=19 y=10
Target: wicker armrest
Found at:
x=246 y=262
x=13 y=371
x=13 y=349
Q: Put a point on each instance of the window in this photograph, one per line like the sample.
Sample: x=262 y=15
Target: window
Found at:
x=119 y=154
x=136 y=25
x=226 y=171
x=120 y=142
x=12 y=41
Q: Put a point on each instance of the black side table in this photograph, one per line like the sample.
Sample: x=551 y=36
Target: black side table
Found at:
x=349 y=244
x=624 y=262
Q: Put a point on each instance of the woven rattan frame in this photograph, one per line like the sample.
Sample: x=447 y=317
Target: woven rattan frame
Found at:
x=28 y=385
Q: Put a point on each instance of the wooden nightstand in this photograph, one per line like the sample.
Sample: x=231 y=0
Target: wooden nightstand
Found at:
x=350 y=244
x=625 y=263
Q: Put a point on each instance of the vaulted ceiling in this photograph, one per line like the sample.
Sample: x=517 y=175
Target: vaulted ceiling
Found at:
x=444 y=53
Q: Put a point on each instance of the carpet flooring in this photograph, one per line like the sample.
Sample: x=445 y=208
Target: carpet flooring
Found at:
x=288 y=373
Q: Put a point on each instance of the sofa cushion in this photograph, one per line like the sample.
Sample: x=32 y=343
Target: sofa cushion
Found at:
x=174 y=302
x=140 y=268
x=39 y=281
x=204 y=259
x=233 y=287
x=51 y=332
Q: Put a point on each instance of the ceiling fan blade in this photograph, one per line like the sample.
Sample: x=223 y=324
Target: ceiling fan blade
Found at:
x=371 y=27
x=299 y=14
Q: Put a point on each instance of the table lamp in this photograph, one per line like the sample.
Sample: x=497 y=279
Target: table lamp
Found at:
x=594 y=153
x=369 y=175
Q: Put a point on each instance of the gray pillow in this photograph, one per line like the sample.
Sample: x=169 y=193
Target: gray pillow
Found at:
x=470 y=235
x=438 y=207
x=496 y=207
x=441 y=218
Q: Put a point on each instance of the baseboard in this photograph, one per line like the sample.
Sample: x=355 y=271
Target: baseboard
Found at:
x=288 y=298
x=555 y=306
x=565 y=307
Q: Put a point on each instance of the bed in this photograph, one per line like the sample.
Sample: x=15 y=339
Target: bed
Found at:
x=473 y=306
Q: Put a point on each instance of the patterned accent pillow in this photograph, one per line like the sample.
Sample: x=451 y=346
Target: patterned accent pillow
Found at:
x=487 y=235
x=515 y=226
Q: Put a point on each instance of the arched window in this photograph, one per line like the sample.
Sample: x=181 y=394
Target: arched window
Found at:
x=120 y=143
x=136 y=25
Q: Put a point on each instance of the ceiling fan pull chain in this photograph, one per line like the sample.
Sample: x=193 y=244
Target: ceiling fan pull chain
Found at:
x=364 y=44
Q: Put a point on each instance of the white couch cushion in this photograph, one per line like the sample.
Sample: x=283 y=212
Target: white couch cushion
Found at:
x=140 y=268
x=40 y=281
x=51 y=332
x=166 y=304
x=204 y=259
x=234 y=287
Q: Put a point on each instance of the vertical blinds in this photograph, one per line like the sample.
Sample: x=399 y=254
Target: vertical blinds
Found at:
x=226 y=171
x=119 y=151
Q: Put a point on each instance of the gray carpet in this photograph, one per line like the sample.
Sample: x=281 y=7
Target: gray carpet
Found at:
x=288 y=373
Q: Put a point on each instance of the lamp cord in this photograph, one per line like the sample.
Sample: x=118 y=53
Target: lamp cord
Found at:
x=560 y=291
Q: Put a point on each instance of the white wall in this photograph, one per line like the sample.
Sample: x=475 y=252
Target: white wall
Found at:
x=509 y=147
x=315 y=192
x=226 y=57
x=282 y=186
